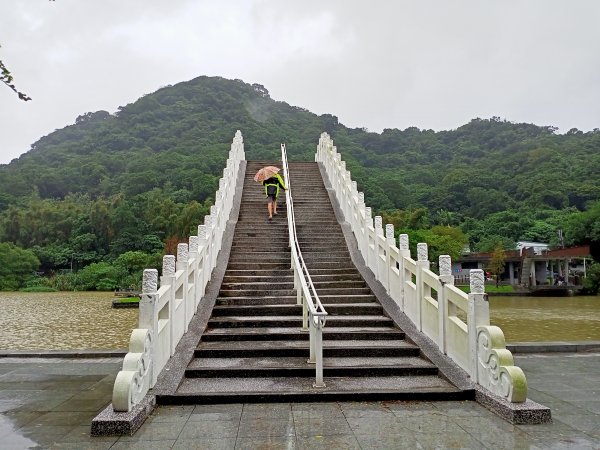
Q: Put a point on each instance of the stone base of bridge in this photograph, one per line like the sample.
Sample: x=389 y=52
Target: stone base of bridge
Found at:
x=112 y=423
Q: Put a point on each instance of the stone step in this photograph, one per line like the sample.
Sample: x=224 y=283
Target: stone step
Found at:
x=294 y=348
x=260 y=236
x=258 y=266
x=295 y=333
x=298 y=367
x=275 y=273
x=274 y=293
x=294 y=309
x=321 y=292
x=288 y=300
x=283 y=265
x=289 y=284
x=267 y=279
x=286 y=389
x=268 y=321
x=265 y=257
x=332 y=362
x=290 y=276
x=247 y=285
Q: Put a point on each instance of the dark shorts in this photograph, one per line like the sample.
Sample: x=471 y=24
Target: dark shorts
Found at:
x=271 y=198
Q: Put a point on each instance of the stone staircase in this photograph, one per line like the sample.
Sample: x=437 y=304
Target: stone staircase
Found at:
x=254 y=350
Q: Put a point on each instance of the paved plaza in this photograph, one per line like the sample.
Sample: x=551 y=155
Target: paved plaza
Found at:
x=49 y=403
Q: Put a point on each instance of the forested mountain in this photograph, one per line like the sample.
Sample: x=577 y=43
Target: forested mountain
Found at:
x=143 y=177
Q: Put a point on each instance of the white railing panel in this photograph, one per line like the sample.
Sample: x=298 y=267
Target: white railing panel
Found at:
x=429 y=317
x=165 y=313
x=457 y=322
x=457 y=342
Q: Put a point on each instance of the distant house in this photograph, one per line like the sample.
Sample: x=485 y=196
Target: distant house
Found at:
x=532 y=264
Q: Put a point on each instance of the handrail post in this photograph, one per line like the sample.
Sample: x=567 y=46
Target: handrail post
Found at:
x=319 y=383
x=305 y=313
x=312 y=339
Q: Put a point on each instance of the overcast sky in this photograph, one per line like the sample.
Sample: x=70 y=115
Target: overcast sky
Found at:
x=379 y=64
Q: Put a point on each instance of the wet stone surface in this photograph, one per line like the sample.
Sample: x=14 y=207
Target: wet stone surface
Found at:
x=40 y=408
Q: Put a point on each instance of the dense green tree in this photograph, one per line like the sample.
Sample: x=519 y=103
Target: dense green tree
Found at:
x=591 y=283
x=143 y=178
x=16 y=265
x=100 y=276
x=584 y=228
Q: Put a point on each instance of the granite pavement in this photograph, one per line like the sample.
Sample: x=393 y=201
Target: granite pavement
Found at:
x=48 y=403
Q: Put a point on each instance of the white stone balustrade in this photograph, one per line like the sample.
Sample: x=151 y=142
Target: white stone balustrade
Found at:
x=166 y=311
x=457 y=322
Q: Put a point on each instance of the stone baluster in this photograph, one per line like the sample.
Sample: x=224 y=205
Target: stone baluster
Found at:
x=389 y=234
x=377 y=250
x=404 y=251
x=204 y=275
x=369 y=237
x=446 y=278
x=354 y=209
x=182 y=264
x=209 y=227
x=378 y=226
x=390 y=242
x=194 y=272
x=168 y=279
x=147 y=301
x=478 y=314
x=422 y=290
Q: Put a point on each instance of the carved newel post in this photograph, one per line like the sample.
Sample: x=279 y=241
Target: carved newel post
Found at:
x=478 y=314
x=148 y=298
x=494 y=367
x=389 y=234
x=378 y=226
x=148 y=318
x=368 y=217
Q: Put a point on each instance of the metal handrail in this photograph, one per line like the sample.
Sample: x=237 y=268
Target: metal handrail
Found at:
x=314 y=314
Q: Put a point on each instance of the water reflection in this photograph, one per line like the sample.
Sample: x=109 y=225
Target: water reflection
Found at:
x=547 y=318
x=63 y=320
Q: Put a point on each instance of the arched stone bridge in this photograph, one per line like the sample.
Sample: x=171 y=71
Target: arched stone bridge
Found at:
x=337 y=309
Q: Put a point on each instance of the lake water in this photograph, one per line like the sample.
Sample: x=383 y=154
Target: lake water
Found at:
x=524 y=319
x=63 y=320
x=78 y=320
